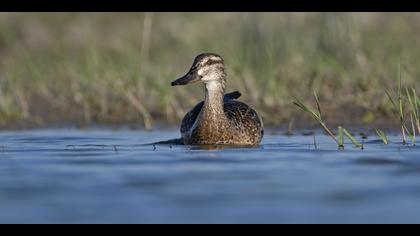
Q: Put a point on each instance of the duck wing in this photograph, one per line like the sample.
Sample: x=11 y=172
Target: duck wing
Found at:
x=232 y=95
x=191 y=116
x=246 y=120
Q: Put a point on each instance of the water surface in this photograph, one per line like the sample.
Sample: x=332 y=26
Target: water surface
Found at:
x=105 y=176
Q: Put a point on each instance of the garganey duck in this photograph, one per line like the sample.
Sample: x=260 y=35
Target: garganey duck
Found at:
x=220 y=119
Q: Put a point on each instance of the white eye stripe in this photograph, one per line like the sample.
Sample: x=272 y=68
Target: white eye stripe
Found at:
x=215 y=58
x=208 y=59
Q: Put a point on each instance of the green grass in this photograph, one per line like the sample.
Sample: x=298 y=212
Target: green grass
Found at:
x=399 y=109
x=117 y=67
x=381 y=134
x=398 y=105
x=413 y=133
x=317 y=115
x=356 y=143
x=414 y=103
x=340 y=137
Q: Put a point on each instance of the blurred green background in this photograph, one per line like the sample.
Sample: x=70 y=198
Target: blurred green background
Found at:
x=116 y=68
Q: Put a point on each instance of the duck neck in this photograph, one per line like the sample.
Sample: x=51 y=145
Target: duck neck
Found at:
x=213 y=103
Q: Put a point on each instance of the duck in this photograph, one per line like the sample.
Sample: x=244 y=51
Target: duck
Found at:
x=220 y=119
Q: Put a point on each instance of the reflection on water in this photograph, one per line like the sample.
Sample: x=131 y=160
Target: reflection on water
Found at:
x=219 y=147
x=102 y=176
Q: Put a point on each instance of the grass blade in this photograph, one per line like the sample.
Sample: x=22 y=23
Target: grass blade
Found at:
x=353 y=139
x=413 y=134
x=315 y=114
x=398 y=106
x=391 y=99
x=340 y=138
x=415 y=103
x=382 y=135
x=318 y=104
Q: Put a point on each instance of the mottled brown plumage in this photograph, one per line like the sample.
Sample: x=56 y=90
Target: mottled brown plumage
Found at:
x=219 y=119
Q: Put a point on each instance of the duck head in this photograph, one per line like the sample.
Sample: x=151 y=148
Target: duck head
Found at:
x=207 y=68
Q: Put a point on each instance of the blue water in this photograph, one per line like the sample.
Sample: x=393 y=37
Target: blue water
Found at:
x=105 y=176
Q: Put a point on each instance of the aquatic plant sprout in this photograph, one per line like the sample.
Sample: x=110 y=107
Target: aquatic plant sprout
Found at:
x=413 y=100
x=413 y=133
x=317 y=115
x=381 y=134
x=340 y=138
x=398 y=106
x=414 y=115
x=353 y=139
x=398 y=109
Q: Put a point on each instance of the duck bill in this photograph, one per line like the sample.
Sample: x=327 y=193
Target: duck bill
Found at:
x=186 y=79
